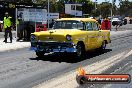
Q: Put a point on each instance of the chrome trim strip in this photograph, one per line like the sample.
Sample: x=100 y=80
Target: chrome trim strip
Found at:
x=69 y=50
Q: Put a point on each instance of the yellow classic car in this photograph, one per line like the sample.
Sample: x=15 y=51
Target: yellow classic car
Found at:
x=72 y=35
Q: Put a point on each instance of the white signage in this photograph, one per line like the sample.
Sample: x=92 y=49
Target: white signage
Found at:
x=73 y=9
x=35 y=15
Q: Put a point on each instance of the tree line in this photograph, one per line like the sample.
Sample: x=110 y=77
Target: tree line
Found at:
x=89 y=7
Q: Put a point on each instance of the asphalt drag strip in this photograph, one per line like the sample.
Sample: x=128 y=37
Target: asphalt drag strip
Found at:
x=68 y=80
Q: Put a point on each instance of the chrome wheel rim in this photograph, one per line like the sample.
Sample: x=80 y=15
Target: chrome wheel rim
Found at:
x=79 y=50
x=104 y=45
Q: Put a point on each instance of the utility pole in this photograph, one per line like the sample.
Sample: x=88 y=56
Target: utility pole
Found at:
x=48 y=14
x=95 y=5
x=75 y=9
x=112 y=11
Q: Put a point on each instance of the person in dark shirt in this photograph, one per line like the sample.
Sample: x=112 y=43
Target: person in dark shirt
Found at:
x=51 y=24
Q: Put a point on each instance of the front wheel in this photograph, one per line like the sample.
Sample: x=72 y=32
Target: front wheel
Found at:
x=40 y=54
x=80 y=51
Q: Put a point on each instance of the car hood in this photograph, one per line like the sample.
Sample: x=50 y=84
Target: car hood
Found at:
x=56 y=35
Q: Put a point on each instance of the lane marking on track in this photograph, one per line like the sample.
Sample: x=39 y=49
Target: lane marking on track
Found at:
x=68 y=80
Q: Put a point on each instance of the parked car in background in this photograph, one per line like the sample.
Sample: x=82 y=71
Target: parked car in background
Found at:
x=117 y=21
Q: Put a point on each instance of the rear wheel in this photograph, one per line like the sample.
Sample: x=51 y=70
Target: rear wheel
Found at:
x=103 y=46
x=40 y=54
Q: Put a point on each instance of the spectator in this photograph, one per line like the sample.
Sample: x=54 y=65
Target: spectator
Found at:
x=106 y=25
x=99 y=20
x=51 y=24
x=7 y=27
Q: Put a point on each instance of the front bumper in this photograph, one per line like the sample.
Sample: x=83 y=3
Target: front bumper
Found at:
x=53 y=47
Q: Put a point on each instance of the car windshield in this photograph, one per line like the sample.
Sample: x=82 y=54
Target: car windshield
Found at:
x=68 y=25
x=115 y=19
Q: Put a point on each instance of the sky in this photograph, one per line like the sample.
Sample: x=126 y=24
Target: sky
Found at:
x=117 y=2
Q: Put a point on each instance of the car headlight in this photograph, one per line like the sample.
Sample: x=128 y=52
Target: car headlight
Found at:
x=69 y=37
x=33 y=37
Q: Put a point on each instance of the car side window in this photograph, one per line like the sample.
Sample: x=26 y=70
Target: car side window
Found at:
x=80 y=26
x=74 y=25
x=89 y=26
x=95 y=26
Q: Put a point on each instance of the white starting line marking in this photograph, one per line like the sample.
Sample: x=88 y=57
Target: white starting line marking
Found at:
x=68 y=80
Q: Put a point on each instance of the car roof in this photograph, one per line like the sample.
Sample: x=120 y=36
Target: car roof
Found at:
x=78 y=19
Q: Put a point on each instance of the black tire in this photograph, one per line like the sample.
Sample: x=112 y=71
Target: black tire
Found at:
x=80 y=51
x=103 y=46
x=113 y=23
x=81 y=80
x=121 y=24
x=40 y=54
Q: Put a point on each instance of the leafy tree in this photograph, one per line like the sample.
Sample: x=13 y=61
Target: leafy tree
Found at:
x=125 y=7
x=88 y=8
x=105 y=9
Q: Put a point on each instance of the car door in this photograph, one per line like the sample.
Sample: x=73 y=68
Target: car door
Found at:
x=90 y=35
x=97 y=35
